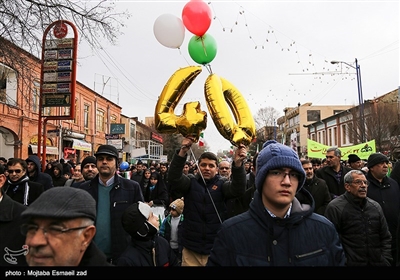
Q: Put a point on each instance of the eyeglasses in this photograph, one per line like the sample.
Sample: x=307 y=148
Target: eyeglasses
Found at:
x=279 y=174
x=360 y=182
x=223 y=168
x=30 y=230
x=16 y=171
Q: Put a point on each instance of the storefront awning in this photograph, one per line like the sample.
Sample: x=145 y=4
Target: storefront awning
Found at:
x=50 y=150
x=81 y=145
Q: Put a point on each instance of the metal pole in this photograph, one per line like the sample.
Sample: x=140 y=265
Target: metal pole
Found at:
x=361 y=101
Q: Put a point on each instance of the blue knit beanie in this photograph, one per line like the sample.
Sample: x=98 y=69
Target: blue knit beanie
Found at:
x=274 y=156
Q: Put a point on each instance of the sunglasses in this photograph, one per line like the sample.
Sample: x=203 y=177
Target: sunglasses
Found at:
x=16 y=171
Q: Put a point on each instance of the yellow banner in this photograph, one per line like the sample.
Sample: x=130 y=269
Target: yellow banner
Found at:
x=317 y=150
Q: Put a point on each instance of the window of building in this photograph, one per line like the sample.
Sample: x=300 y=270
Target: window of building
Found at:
x=100 y=120
x=36 y=96
x=334 y=136
x=113 y=119
x=8 y=85
x=86 y=116
x=313 y=115
x=132 y=130
x=329 y=137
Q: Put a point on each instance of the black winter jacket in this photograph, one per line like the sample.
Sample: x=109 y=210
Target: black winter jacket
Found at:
x=140 y=253
x=94 y=257
x=39 y=176
x=362 y=229
x=11 y=238
x=319 y=191
x=201 y=222
x=387 y=194
x=255 y=238
x=328 y=175
x=124 y=193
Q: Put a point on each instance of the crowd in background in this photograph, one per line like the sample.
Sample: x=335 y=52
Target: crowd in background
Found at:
x=177 y=208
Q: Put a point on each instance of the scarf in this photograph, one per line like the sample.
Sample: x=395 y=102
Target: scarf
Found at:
x=17 y=184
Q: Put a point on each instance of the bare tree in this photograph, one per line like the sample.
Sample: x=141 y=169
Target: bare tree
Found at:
x=380 y=123
x=266 y=117
x=23 y=22
x=265 y=120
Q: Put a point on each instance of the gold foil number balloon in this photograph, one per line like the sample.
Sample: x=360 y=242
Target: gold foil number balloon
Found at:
x=221 y=94
x=192 y=121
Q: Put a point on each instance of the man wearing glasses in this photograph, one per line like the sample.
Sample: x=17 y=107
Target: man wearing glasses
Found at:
x=277 y=230
x=224 y=169
x=60 y=229
x=18 y=186
x=361 y=224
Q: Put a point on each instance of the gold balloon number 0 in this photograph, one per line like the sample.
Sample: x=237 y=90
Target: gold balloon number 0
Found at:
x=228 y=109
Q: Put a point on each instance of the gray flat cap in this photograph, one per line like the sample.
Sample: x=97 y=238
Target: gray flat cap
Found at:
x=62 y=203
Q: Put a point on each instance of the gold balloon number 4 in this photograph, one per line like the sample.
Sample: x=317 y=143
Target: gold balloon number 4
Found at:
x=220 y=96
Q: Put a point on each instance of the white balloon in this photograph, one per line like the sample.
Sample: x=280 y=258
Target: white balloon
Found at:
x=169 y=31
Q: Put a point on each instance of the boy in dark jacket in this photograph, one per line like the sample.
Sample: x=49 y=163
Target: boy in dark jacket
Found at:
x=147 y=248
x=277 y=230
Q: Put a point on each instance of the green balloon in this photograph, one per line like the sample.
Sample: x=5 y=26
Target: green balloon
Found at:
x=202 y=49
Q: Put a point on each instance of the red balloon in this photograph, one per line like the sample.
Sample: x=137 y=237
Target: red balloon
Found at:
x=196 y=16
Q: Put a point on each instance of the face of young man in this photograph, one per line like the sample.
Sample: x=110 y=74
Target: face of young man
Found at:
x=279 y=188
x=208 y=168
x=31 y=166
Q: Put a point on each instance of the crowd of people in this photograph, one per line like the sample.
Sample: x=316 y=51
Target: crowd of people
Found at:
x=273 y=209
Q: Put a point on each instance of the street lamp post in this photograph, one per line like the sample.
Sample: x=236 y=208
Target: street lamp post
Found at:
x=360 y=95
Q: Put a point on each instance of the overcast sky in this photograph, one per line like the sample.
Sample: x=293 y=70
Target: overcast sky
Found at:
x=276 y=53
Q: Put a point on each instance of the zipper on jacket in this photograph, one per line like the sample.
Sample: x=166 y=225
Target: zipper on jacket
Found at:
x=309 y=254
x=119 y=202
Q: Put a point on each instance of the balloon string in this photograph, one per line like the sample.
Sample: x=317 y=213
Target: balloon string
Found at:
x=204 y=47
x=204 y=181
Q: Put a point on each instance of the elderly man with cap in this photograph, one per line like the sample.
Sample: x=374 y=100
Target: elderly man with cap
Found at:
x=277 y=230
x=147 y=248
x=386 y=192
x=60 y=228
x=113 y=194
x=355 y=162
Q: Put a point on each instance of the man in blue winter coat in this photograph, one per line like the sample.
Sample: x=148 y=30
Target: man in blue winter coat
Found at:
x=277 y=230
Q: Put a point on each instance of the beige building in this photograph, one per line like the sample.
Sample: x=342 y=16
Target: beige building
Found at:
x=292 y=127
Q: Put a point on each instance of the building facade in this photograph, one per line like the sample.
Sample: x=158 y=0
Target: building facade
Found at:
x=19 y=114
x=292 y=127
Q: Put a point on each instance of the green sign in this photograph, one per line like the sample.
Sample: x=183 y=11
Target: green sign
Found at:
x=117 y=128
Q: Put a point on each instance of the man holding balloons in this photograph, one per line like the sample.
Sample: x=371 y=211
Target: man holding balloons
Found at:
x=204 y=196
